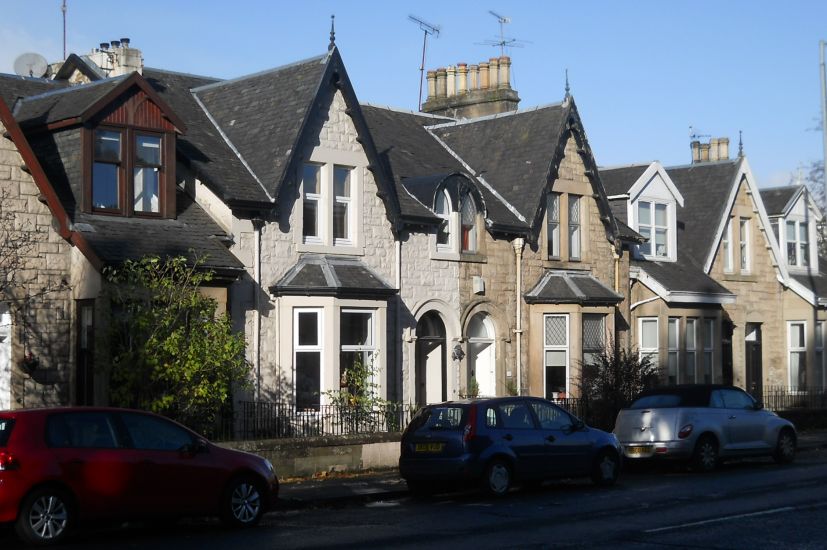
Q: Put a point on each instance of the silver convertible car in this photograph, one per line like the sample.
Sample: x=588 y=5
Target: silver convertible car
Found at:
x=704 y=424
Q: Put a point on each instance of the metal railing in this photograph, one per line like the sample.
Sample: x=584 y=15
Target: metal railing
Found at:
x=268 y=420
x=785 y=398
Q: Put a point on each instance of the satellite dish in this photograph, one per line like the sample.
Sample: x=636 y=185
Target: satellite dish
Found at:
x=30 y=64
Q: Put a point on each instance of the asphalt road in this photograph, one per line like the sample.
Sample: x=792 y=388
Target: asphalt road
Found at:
x=748 y=504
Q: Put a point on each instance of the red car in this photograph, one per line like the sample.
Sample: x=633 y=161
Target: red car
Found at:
x=65 y=465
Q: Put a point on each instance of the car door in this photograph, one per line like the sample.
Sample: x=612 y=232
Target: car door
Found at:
x=745 y=426
x=91 y=461
x=516 y=431
x=176 y=475
x=566 y=450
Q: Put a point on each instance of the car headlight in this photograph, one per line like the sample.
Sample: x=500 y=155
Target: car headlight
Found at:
x=269 y=466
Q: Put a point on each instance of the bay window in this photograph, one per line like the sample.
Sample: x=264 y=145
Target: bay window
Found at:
x=357 y=349
x=307 y=358
x=797 y=350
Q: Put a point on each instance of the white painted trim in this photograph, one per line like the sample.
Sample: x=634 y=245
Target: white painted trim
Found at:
x=655 y=168
x=678 y=297
x=802 y=349
x=567 y=318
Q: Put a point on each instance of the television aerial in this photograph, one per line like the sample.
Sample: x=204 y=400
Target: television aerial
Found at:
x=30 y=64
x=504 y=41
x=428 y=29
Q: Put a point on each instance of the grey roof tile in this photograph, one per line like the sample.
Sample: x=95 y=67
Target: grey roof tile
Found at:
x=618 y=180
x=320 y=275
x=777 y=199
x=62 y=103
x=570 y=287
x=682 y=276
x=13 y=87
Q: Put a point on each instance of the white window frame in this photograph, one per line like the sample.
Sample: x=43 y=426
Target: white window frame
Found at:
x=317 y=348
x=673 y=351
x=790 y=350
x=346 y=201
x=473 y=233
x=575 y=229
x=726 y=247
x=744 y=249
x=709 y=349
x=797 y=242
x=450 y=221
x=655 y=351
x=370 y=347
x=654 y=227
x=553 y=240
x=691 y=366
x=557 y=347
x=316 y=198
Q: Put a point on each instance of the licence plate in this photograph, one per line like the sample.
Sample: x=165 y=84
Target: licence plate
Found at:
x=638 y=450
x=429 y=447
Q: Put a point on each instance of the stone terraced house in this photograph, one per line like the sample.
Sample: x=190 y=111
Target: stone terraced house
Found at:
x=471 y=248
x=713 y=298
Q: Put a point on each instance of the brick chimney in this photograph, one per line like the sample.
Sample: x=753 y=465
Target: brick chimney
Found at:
x=716 y=149
x=464 y=91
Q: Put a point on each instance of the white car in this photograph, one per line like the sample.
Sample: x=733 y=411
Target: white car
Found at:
x=703 y=423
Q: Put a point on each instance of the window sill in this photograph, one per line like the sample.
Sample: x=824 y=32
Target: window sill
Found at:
x=455 y=257
x=328 y=249
x=741 y=277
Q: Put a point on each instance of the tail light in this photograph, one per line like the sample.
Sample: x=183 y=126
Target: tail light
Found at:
x=685 y=432
x=471 y=426
x=8 y=462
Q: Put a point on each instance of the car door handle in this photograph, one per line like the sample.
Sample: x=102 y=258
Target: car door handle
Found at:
x=551 y=439
x=508 y=437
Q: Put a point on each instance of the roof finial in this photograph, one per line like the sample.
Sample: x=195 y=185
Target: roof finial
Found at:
x=568 y=95
x=740 y=144
x=332 y=34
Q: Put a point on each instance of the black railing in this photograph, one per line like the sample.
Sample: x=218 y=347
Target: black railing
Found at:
x=786 y=398
x=268 y=420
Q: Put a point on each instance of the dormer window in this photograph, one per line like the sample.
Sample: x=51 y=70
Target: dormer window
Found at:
x=128 y=172
x=798 y=248
x=654 y=225
x=458 y=236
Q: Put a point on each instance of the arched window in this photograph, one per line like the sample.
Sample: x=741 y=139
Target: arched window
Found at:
x=443 y=210
x=468 y=222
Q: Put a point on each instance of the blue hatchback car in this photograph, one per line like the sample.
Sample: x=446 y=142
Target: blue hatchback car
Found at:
x=501 y=441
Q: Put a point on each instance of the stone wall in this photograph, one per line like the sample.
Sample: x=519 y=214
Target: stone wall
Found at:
x=40 y=301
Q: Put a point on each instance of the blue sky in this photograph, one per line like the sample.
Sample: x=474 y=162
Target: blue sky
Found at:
x=641 y=72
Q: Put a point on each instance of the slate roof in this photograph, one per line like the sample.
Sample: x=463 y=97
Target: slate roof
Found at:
x=13 y=87
x=571 y=287
x=262 y=114
x=705 y=188
x=116 y=238
x=618 y=180
x=817 y=282
x=777 y=199
x=203 y=146
x=512 y=151
x=321 y=275
x=682 y=276
x=63 y=103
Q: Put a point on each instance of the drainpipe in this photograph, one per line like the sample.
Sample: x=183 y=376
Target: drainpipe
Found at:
x=258 y=224
x=616 y=256
x=518 y=245
x=399 y=390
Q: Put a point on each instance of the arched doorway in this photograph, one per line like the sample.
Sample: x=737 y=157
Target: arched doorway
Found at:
x=481 y=354
x=431 y=360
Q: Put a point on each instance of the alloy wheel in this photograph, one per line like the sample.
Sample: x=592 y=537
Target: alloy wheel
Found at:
x=245 y=502
x=48 y=517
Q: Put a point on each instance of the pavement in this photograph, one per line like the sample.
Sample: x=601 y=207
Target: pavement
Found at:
x=362 y=487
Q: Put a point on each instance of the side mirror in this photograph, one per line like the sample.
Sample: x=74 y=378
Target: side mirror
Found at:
x=758 y=405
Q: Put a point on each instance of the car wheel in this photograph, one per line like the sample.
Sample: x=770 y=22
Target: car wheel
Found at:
x=606 y=468
x=785 y=447
x=45 y=517
x=241 y=503
x=497 y=479
x=705 y=456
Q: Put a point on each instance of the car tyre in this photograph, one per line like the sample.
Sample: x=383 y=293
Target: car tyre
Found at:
x=242 y=502
x=785 y=447
x=606 y=468
x=45 y=517
x=497 y=479
x=705 y=456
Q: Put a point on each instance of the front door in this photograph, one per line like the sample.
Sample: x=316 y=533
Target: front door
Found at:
x=754 y=370
x=84 y=377
x=482 y=377
x=431 y=358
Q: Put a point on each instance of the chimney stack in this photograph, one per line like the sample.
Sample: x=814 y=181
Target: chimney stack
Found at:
x=717 y=149
x=461 y=91
x=117 y=58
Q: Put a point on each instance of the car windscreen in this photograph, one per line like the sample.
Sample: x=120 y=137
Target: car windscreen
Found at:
x=444 y=418
x=657 y=401
x=6 y=425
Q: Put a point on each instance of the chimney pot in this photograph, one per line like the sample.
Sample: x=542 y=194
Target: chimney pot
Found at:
x=452 y=81
x=441 y=85
x=505 y=73
x=462 y=78
x=474 y=77
x=484 y=75
x=723 y=148
x=713 y=149
x=431 y=84
x=115 y=43
x=125 y=42
x=696 y=151
x=104 y=45
x=704 y=152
